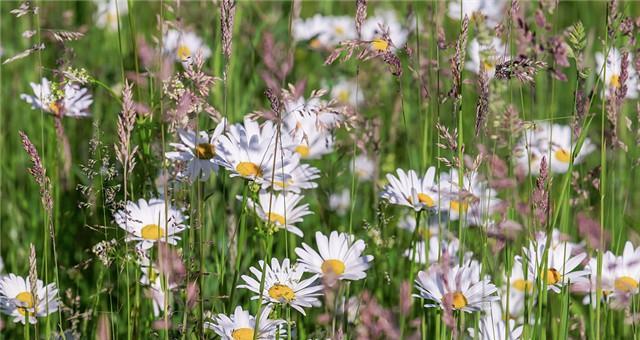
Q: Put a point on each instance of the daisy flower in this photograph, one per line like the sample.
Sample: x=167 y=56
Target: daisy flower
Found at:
x=613 y=71
x=108 y=11
x=521 y=288
x=299 y=178
x=248 y=151
x=493 y=326
x=491 y=10
x=340 y=202
x=561 y=267
x=285 y=211
x=437 y=249
x=388 y=20
x=242 y=326
x=338 y=257
x=151 y=221
x=184 y=45
x=364 y=167
x=71 y=100
x=553 y=141
x=347 y=92
x=19 y=302
x=474 y=199
x=485 y=56
x=198 y=152
x=283 y=284
x=324 y=31
x=409 y=190
x=309 y=138
x=153 y=280
x=459 y=288
x=299 y=108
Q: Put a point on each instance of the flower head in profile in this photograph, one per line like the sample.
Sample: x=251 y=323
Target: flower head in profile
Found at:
x=457 y=288
x=484 y=56
x=242 y=326
x=612 y=71
x=281 y=210
x=19 y=302
x=184 y=45
x=108 y=12
x=409 y=190
x=158 y=293
x=69 y=100
x=283 y=285
x=338 y=257
x=148 y=222
x=198 y=152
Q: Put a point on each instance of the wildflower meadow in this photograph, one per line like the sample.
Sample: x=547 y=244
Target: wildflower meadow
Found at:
x=242 y=170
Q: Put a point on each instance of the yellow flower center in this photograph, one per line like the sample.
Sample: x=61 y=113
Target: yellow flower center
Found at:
x=55 y=107
x=248 y=169
x=183 y=52
x=276 y=218
x=563 y=155
x=26 y=298
x=205 y=151
x=458 y=206
x=333 y=266
x=315 y=43
x=303 y=150
x=522 y=285
x=458 y=300
x=242 y=334
x=615 y=81
x=339 y=30
x=488 y=66
x=625 y=284
x=553 y=276
x=283 y=184
x=379 y=45
x=152 y=232
x=343 y=96
x=426 y=200
x=282 y=293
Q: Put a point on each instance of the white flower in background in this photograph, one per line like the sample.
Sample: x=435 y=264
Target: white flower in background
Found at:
x=409 y=190
x=561 y=267
x=151 y=221
x=340 y=202
x=371 y=30
x=459 y=287
x=474 y=199
x=620 y=276
x=300 y=178
x=491 y=10
x=552 y=141
x=153 y=280
x=485 y=56
x=108 y=12
x=364 y=167
x=183 y=45
x=283 y=284
x=280 y=209
x=324 y=31
x=437 y=249
x=308 y=138
x=493 y=326
x=71 y=100
x=299 y=109
x=613 y=70
x=19 y=302
x=347 y=92
x=242 y=326
x=339 y=257
x=521 y=289
x=198 y=152
x=248 y=151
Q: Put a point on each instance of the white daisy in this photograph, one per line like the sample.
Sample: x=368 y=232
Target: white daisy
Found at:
x=485 y=56
x=338 y=257
x=184 y=45
x=19 y=302
x=613 y=70
x=70 y=101
x=309 y=138
x=280 y=210
x=491 y=10
x=561 y=267
x=340 y=202
x=301 y=177
x=151 y=221
x=283 y=284
x=347 y=92
x=371 y=30
x=198 y=152
x=474 y=199
x=297 y=109
x=324 y=31
x=437 y=249
x=493 y=326
x=364 y=167
x=152 y=279
x=409 y=190
x=555 y=143
x=521 y=288
x=108 y=11
x=459 y=287
x=242 y=326
x=248 y=151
